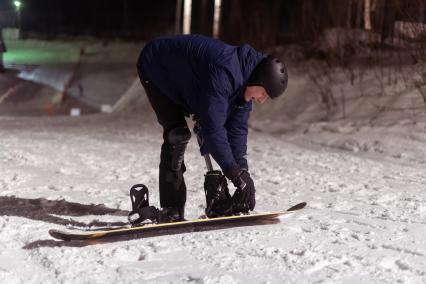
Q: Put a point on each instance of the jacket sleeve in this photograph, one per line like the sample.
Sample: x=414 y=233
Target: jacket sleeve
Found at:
x=213 y=114
x=237 y=129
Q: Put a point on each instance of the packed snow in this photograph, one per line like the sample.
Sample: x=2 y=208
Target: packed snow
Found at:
x=360 y=168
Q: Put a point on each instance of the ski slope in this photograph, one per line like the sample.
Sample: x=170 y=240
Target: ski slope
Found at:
x=365 y=221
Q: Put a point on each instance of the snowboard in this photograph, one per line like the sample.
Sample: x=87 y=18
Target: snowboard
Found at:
x=181 y=226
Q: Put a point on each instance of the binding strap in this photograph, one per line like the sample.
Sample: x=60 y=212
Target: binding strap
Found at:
x=141 y=211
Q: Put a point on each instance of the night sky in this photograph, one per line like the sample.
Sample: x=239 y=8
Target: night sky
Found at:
x=98 y=17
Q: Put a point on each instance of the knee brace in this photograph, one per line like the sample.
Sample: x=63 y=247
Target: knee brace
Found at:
x=176 y=140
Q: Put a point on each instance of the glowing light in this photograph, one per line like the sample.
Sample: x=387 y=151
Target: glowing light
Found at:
x=17 y=4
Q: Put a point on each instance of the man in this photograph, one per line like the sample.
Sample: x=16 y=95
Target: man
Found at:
x=217 y=82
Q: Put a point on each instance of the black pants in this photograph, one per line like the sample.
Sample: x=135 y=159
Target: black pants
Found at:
x=170 y=116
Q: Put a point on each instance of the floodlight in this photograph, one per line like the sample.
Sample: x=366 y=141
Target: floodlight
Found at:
x=17 y=4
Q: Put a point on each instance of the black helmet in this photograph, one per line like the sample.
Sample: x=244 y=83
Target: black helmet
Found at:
x=271 y=74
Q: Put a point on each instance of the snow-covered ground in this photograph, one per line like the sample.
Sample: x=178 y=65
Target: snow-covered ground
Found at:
x=365 y=221
x=362 y=174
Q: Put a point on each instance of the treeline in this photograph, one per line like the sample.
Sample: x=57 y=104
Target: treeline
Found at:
x=261 y=22
x=271 y=22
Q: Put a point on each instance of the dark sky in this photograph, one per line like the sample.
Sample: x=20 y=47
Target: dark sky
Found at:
x=95 y=16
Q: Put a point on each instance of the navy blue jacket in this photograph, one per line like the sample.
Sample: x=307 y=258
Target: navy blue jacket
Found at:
x=207 y=78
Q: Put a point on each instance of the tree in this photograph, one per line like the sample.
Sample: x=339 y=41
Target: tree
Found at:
x=367 y=15
x=2 y=50
x=250 y=21
x=421 y=11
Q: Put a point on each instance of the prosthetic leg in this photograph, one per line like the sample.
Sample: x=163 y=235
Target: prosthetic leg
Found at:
x=218 y=199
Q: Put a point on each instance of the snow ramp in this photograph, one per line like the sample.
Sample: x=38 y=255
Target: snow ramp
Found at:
x=26 y=98
x=133 y=99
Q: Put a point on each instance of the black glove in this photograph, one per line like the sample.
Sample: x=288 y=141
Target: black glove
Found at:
x=244 y=197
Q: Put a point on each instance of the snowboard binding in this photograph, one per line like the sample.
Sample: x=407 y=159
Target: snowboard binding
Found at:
x=141 y=211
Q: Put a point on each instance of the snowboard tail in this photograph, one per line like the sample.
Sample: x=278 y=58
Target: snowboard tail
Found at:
x=228 y=221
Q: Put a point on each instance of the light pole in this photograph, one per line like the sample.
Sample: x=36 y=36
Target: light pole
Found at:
x=18 y=6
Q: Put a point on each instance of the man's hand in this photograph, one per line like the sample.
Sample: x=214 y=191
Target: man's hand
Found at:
x=244 y=196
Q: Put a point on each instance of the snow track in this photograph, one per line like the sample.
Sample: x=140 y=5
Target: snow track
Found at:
x=365 y=220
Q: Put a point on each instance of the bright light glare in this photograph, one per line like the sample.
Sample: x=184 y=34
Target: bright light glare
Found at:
x=17 y=4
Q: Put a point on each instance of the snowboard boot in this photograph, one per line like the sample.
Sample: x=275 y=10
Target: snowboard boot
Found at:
x=171 y=214
x=142 y=213
x=218 y=199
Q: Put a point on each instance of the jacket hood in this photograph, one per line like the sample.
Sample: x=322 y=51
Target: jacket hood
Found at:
x=248 y=58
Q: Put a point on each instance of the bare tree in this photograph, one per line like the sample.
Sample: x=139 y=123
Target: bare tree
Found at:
x=349 y=15
x=249 y=21
x=421 y=11
x=359 y=14
x=178 y=16
x=367 y=15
